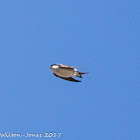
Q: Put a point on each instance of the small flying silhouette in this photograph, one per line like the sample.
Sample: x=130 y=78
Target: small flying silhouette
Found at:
x=66 y=72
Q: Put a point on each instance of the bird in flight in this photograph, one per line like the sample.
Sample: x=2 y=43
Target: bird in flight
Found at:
x=66 y=72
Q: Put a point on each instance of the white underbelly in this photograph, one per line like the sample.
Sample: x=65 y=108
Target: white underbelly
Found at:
x=64 y=72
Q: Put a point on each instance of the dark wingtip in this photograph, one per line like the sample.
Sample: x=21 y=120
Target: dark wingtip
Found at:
x=80 y=74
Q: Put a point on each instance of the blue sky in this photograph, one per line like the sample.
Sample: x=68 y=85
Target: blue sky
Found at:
x=101 y=36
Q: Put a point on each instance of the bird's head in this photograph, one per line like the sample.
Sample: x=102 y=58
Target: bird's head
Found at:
x=53 y=66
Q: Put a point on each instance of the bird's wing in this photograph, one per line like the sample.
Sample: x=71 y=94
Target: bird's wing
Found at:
x=65 y=66
x=67 y=78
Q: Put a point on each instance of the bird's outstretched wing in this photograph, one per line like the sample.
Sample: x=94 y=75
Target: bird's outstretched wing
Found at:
x=65 y=66
x=67 y=78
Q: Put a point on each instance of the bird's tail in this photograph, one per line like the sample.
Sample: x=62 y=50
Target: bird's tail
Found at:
x=79 y=74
